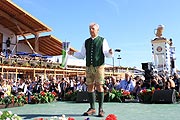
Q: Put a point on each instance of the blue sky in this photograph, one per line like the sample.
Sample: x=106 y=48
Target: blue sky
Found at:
x=126 y=24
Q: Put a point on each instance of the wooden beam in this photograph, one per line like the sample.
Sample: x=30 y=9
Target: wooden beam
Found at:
x=16 y=22
x=51 y=47
x=25 y=39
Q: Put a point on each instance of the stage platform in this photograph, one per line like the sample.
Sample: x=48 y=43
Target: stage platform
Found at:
x=124 y=111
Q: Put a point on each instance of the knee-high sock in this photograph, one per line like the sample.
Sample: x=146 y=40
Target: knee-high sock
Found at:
x=100 y=96
x=92 y=99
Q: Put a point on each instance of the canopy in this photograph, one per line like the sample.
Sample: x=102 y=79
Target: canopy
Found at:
x=46 y=56
x=21 y=53
x=35 y=55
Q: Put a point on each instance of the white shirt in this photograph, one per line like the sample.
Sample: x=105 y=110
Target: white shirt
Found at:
x=82 y=53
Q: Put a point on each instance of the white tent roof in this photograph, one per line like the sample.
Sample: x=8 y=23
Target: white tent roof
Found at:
x=70 y=61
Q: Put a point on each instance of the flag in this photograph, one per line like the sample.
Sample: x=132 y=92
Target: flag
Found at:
x=65 y=49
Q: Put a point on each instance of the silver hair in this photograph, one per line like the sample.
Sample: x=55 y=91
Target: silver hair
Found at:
x=94 y=24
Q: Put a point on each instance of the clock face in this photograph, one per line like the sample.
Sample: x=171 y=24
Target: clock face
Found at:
x=159 y=49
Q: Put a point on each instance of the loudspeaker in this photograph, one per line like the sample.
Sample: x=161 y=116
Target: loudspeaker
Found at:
x=164 y=96
x=82 y=97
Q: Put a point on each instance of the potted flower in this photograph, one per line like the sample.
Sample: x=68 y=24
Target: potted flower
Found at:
x=70 y=95
x=6 y=102
x=126 y=95
x=145 y=95
x=115 y=96
x=12 y=101
x=43 y=97
x=20 y=99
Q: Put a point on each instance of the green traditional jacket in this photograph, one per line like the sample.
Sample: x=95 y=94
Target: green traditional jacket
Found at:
x=94 y=51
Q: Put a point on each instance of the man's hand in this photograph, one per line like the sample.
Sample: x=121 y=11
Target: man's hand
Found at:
x=110 y=51
x=70 y=53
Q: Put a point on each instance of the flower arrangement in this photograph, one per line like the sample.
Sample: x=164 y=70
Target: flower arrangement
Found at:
x=70 y=96
x=126 y=95
x=115 y=95
x=118 y=96
x=145 y=95
x=8 y=115
x=19 y=99
x=6 y=100
x=43 y=97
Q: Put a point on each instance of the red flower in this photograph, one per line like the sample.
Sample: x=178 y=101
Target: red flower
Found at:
x=26 y=99
x=111 y=117
x=54 y=93
x=158 y=89
x=71 y=118
x=19 y=96
x=144 y=91
x=12 y=100
x=126 y=93
x=42 y=93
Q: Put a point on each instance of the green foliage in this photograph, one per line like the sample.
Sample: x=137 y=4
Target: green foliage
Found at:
x=145 y=96
x=43 y=97
x=118 y=96
x=70 y=96
x=19 y=99
x=115 y=95
x=8 y=115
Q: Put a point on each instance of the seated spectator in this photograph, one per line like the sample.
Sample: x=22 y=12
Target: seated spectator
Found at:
x=170 y=84
x=46 y=86
x=126 y=84
x=22 y=87
x=138 y=86
x=14 y=89
x=4 y=88
x=38 y=87
x=113 y=83
x=63 y=85
x=107 y=82
x=82 y=86
x=72 y=84
x=157 y=82
x=9 y=84
x=53 y=86
x=176 y=80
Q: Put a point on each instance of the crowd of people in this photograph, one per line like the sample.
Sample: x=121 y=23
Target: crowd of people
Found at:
x=133 y=84
x=36 y=85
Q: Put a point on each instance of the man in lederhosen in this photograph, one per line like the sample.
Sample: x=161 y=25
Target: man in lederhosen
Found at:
x=94 y=49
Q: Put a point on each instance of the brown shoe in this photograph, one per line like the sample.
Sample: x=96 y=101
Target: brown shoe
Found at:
x=101 y=113
x=89 y=112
